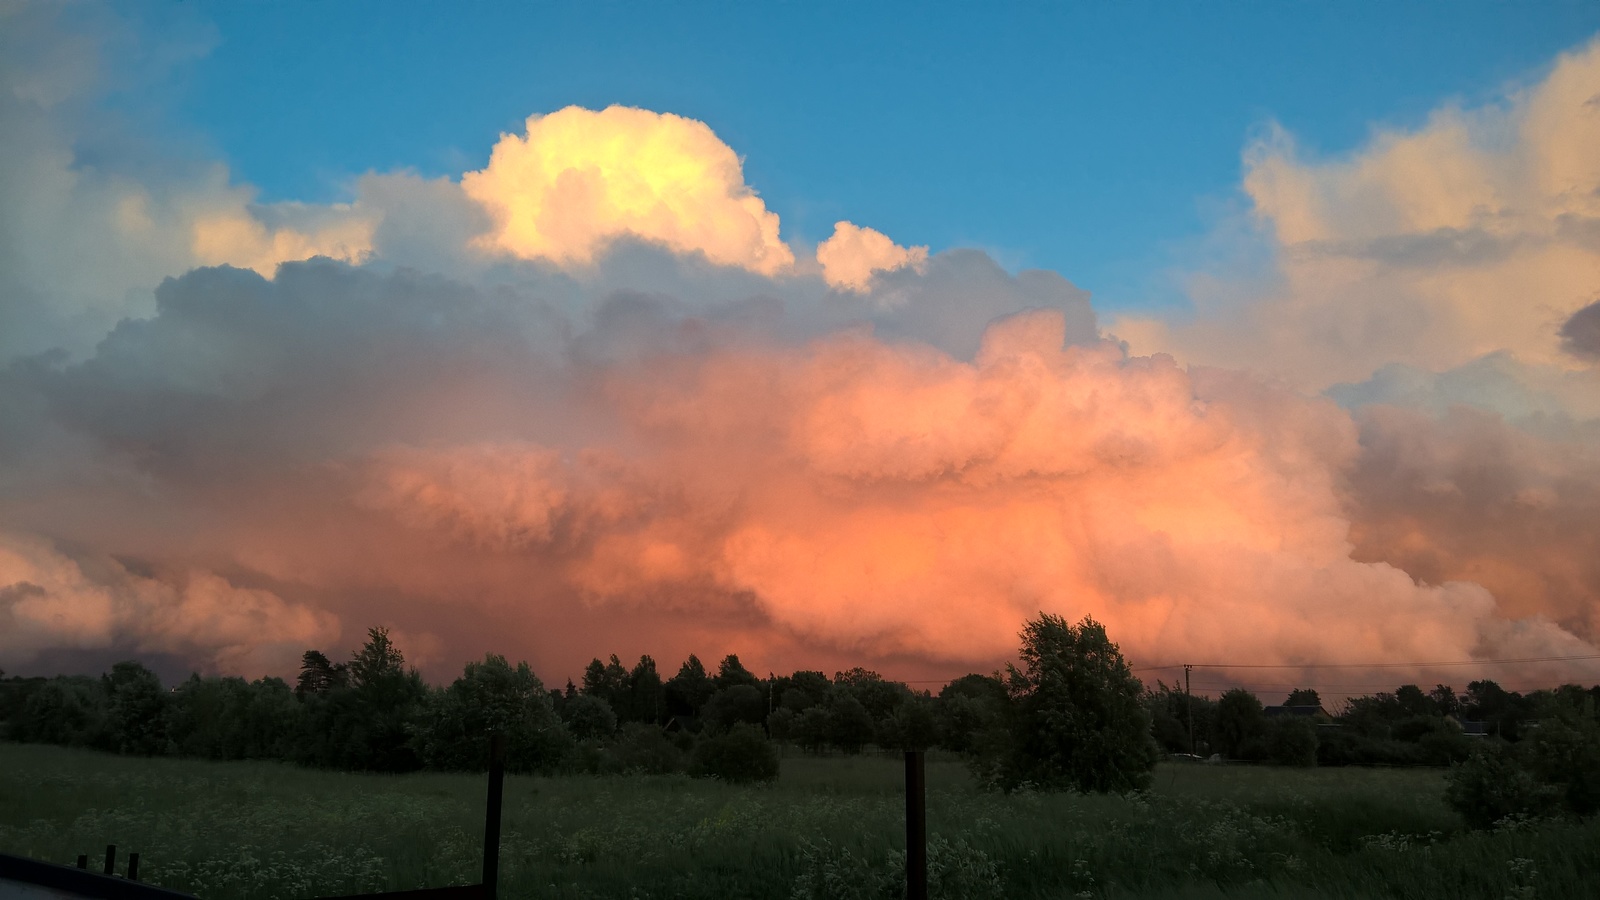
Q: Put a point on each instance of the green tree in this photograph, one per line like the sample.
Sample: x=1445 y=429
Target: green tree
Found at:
x=734 y=704
x=1303 y=697
x=136 y=710
x=368 y=725
x=491 y=697
x=743 y=754
x=588 y=717
x=688 y=691
x=646 y=694
x=319 y=675
x=1077 y=713
x=731 y=672
x=1292 y=741
x=1240 y=723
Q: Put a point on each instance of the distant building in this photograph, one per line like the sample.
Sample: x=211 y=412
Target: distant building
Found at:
x=1314 y=712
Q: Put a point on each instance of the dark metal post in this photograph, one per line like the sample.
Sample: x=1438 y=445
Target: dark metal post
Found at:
x=491 y=821
x=1188 y=703
x=83 y=860
x=111 y=859
x=916 y=827
x=133 y=867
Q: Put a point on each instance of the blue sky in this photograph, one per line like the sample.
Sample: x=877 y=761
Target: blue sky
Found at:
x=1098 y=140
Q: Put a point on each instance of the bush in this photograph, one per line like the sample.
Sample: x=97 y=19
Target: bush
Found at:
x=1564 y=753
x=1493 y=784
x=741 y=755
x=649 y=750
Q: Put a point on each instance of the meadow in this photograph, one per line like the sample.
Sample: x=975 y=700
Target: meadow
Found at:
x=828 y=827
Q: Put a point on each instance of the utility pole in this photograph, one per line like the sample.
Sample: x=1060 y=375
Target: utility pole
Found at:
x=1188 y=703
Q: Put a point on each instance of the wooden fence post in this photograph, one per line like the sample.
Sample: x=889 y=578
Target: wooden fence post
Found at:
x=133 y=867
x=916 y=827
x=491 y=822
x=111 y=859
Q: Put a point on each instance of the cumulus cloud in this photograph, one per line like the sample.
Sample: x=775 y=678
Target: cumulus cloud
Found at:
x=49 y=600
x=96 y=214
x=854 y=254
x=1580 y=335
x=578 y=179
x=348 y=436
x=1475 y=233
x=1466 y=495
x=583 y=400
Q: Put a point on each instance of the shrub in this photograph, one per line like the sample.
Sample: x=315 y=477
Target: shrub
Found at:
x=743 y=754
x=1493 y=784
x=647 y=749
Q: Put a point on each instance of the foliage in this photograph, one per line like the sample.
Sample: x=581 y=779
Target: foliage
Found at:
x=741 y=755
x=1240 y=723
x=1292 y=741
x=136 y=710
x=588 y=717
x=734 y=704
x=489 y=698
x=1077 y=715
x=257 y=830
x=1493 y=785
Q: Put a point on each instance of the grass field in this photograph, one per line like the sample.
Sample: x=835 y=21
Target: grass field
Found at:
x=828 y=826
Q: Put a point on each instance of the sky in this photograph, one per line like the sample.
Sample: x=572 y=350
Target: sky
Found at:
x=824 y=334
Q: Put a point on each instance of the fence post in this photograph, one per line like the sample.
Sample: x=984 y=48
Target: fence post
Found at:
x=491 y=822
x=83 y=860
x=133 y=867
x=916 y=827
x=111 y=859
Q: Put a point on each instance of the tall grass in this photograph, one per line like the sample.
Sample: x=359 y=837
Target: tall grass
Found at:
x=265 y=830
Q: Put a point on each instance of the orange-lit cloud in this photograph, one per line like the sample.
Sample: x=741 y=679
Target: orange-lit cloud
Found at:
x=854 y=254
x=579 y=179
x=895 y=501
x=893 y=464
x=48 y=600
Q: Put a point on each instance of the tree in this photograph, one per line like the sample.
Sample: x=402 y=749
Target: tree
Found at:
x=1077 y=714
x=369 y=724
x=646 y=696
x=136 y=710
x=911 y=726
x=743 y=754
x=319 y=675
x=491 y=697
x=1292 y=741
x=731 y=672
x=688 y=691
x=1240 y=723
x=878 y=695
x=731 y=705
x=848 y=726
x=588 y=717
x=1303 y=697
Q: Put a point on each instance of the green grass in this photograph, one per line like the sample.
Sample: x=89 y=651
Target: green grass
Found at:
x=263 y=830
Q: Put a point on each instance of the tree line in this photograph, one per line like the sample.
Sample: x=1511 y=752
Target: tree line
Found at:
x=1069 y=714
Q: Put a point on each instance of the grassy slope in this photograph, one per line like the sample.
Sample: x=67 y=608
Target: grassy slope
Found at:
x=249 y=830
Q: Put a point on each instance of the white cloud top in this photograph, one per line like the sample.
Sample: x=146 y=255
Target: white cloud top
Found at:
x=580 y=179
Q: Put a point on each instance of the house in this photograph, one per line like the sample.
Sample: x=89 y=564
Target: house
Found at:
x=1313 y=712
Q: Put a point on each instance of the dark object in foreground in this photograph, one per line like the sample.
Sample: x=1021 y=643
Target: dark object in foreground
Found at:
x=916 y=826
x=18 y=875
